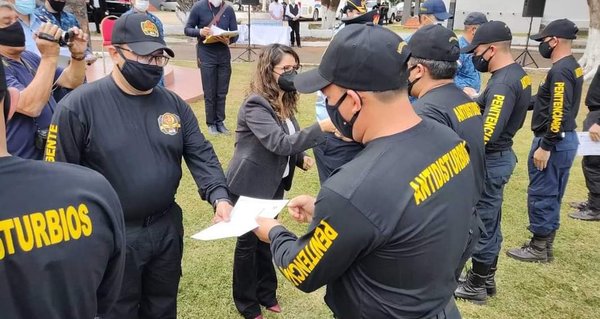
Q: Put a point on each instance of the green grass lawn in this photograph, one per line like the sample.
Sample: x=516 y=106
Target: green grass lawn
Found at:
x=567 y=288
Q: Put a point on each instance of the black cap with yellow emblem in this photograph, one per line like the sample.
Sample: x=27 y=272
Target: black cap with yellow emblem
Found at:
x=434 y=42
x=348 y=61
x=358 y=5
x=140 y=34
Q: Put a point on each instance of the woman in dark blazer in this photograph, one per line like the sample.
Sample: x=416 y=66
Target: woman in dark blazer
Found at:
x=269 y=144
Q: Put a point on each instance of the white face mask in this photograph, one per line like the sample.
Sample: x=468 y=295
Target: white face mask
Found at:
x=216 y=3
x=141 y=5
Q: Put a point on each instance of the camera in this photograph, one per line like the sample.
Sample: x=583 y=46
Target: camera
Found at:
x=66 y=37
x=41 y=136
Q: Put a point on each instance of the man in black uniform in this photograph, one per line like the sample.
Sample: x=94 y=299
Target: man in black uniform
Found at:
x=380 y=219
x=590 y=209
x=431 y=69
x=135 y=134
x=214 y=59
x=62 y=237
x=504 y=105
x=555 y=143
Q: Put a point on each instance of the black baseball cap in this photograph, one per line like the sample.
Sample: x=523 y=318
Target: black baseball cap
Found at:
x=362 y=57
x=140 y=33
x=475 y=18
x=434 y=42
x=490 y=32
x=562 y=28
x=435 y=7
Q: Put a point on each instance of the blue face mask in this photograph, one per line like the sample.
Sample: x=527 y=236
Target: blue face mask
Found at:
x=25 y=7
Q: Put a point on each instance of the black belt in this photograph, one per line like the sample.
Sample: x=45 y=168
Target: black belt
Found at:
x=499 y=153
x=149 y=220
x=542 y=133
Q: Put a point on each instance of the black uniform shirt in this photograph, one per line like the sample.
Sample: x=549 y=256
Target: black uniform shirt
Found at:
x=389 y=227
x=557 y=102
x=592 y=99
x=504 y=104
x=449 y=105
x=137 y=143
x=62 y=241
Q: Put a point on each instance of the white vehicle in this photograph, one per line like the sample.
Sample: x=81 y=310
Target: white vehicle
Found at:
x=310 y=9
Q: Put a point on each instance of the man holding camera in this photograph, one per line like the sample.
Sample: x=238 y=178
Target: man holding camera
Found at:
x=35 y=78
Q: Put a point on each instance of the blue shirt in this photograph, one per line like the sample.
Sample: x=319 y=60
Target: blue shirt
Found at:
x=34 y=24
x=201 y=15
x=65 y=21
x=467 y=75
x=152 y=17
x=21 y=129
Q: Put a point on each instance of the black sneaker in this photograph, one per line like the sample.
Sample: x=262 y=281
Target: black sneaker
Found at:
x=587 y=215
x=212 y=130
x=222 y=129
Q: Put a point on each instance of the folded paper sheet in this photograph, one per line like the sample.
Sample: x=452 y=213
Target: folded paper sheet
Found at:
x=243 y=218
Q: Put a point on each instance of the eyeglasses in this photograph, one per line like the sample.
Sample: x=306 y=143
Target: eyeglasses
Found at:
x=288 y=68
x=158 y=60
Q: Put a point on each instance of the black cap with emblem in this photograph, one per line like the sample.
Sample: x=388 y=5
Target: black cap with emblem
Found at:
x=491 y=32
x=562 y=28
x=140 y=33
x=434 y=42
x=348 y=61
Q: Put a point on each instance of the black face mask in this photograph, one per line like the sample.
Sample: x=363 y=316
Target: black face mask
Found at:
x=12 y=36
x=57 y=6
x=343 y=126
x=411 y=84
x=546 y=50
x=141 y=76
x=481 y=64
x=286 y=81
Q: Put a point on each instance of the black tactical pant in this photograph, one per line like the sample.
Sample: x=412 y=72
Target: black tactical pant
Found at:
x=152 y=268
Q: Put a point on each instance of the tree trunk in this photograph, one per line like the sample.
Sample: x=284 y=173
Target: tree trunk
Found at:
x=591 y=57
x=406 y=14
x=79 y=9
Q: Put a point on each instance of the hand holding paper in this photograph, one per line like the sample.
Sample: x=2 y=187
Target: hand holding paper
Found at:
x=243 y=218
x=219 y=35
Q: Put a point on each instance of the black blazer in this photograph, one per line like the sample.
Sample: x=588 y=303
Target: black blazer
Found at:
x=262 y=148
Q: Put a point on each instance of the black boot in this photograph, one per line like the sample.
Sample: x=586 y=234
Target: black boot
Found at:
x=550 y=246
x=490 y=281
x=534 y=251
x=473 y=288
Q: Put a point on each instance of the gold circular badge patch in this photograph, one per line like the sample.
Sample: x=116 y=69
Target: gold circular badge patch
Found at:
x=169 y=123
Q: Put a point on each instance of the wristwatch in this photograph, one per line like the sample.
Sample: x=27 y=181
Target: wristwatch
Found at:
x=217 y=201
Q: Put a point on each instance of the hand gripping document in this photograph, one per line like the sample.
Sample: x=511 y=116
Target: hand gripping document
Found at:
x=243 y=218
x=586 y=145
x=218 y=32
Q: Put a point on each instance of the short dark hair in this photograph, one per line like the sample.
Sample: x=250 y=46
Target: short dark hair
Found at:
x=439 y=70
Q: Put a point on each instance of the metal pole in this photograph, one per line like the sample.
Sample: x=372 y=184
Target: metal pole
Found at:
x=452 y=11
x=406 y=14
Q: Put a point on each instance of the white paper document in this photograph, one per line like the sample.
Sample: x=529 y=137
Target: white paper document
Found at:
x=243 y=218
x=586 y=145
x=216 y=31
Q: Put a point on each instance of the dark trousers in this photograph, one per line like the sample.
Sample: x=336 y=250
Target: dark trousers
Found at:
x=499 y=168
x=215 y=83
x=152 y=269
x=591 y=172
x=591 y=167
x=98 y=14
x=332 y=154
x=295 y=34
x=547 y=187
x=254 y=277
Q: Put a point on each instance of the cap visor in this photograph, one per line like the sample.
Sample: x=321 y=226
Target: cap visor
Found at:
x=443 y=16
x=310 y=81
x=146 y=48
x=469 y=48
x=537 y=37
